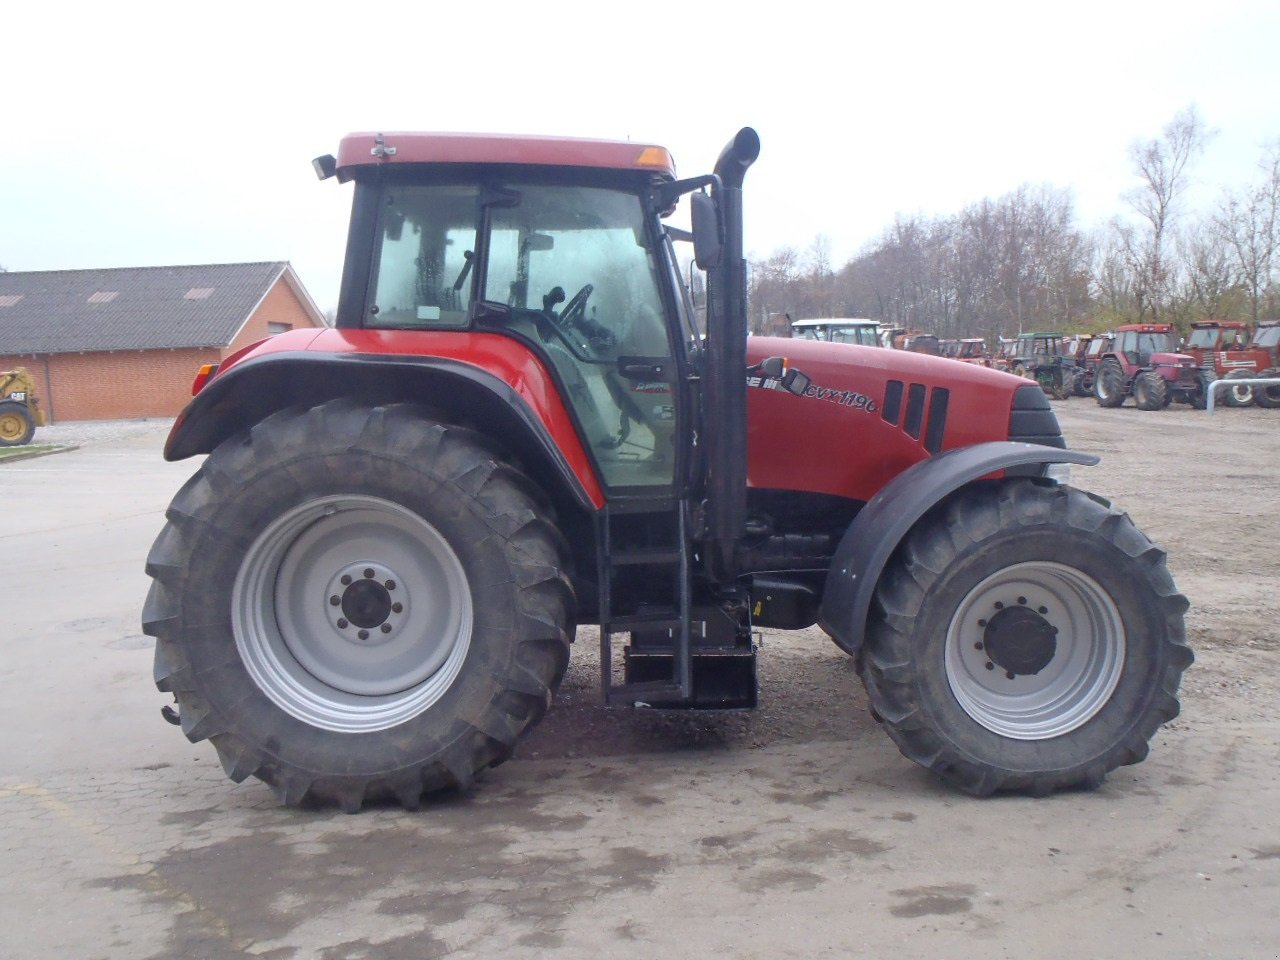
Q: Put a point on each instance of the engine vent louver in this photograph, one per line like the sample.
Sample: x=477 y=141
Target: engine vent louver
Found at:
x=920 y=401
x=892 y=401
x=938 y=401
x=914 y=421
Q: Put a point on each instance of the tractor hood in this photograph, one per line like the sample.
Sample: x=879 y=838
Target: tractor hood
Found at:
x=891 y=408
x=1172 y=360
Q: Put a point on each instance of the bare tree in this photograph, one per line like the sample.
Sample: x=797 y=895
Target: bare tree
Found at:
x=1248 y=225
x=1161 y=164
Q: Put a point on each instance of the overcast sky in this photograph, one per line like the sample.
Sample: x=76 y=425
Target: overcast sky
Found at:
x=139 y=134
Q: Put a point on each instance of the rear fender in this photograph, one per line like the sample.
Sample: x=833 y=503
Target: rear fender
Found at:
x=888 y=516
x=454 y=390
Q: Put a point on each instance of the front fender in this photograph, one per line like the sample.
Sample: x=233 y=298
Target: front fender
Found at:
x=880 y=526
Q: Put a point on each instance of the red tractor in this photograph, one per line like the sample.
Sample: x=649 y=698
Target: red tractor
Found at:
x=1142 y=362
x=370 y=586
x=1097 y=347
x=1221 y=348
x=1266 y=337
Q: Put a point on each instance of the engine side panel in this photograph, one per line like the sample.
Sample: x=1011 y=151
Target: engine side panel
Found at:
x=868 y=415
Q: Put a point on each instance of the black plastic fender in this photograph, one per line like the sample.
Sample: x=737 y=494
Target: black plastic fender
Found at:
x=880 y=526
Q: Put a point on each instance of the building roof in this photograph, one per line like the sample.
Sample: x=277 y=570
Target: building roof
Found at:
x=136 y=308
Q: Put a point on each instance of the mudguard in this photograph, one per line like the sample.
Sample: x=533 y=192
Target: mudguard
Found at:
x=880 y=526
x=258 y=386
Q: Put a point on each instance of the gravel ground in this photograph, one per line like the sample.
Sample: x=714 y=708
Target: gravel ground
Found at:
x=81 y=433
x=792 y=833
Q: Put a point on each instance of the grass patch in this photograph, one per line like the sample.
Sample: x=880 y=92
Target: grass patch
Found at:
x=33 y=450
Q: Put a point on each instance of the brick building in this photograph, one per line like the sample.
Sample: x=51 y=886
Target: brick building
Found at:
x=114 y=344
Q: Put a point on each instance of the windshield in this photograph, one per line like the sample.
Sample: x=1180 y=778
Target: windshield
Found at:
x=1267 y=337
x=1206 y=337
x=1154 y=343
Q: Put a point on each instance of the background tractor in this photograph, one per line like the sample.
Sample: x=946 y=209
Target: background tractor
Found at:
x=1222 y=349
x=20 y=412
x=1097 y=347
x=370 y=586
x=1142 y=362
x=1266 y=337
x=1044 y=358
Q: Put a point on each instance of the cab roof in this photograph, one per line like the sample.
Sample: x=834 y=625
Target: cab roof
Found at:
x=835 y=322
x=369 y=149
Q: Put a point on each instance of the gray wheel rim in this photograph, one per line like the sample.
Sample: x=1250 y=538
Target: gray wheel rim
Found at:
x=1072 y=686
x=352 y=613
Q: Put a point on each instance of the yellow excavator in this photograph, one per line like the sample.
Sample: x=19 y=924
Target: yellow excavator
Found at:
x=20 y=413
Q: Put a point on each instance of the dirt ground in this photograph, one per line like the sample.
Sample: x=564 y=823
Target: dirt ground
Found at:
x=796 y=831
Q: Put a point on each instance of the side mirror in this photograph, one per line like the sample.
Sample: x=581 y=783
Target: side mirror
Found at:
x=793 y=381
x=772 y=368
x=708 y=238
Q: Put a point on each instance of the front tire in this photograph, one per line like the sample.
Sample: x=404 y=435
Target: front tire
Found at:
x=17 y=426
x=1025 y=637
x=1108 y=385
x=1150 y=391
x=357 y=603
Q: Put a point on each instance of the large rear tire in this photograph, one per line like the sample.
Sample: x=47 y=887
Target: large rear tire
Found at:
x=355 y=603
x=1268 y=397
x=17 y=426
x=1025 y=637
x=1239 y=394
x=1108 y=385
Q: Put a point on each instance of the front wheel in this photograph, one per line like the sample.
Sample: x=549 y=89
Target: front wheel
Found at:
x=17 y=426
x=1025 y=637
x=354 y=603
x=1150 y=391
x=1108 y=385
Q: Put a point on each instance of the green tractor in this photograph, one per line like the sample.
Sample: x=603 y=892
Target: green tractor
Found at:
x=1048 y=360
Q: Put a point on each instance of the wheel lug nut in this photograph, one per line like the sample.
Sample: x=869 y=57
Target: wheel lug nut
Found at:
x=1043 y=610
x=1009 y=674
x=363 y=634
x=334 y=601
x=390 y=584
x=978 y=645
x=982 y=623
x=368 y=574
x=342 y=624
x=346 y=580
x=1023 y=601
x=990 y=665
x=999 y=605
x=386 y=628
x=397 y=608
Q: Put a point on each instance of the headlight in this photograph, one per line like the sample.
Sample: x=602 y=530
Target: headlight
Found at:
x=1058 y=472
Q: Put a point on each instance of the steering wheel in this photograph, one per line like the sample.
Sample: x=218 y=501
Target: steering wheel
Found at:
x=576 y=309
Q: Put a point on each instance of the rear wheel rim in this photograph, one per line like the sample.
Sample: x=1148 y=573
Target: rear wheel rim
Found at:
x=1035 y=650
x=352 y=613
